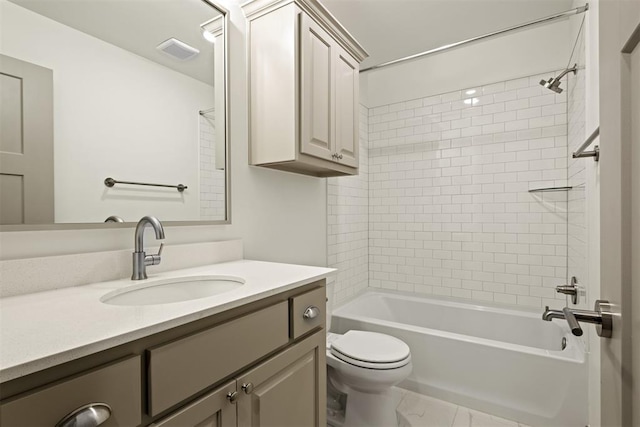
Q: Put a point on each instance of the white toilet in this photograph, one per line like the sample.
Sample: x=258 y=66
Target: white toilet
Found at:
x=364 y=366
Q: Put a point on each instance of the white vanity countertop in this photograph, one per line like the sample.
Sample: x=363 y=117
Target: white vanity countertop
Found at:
x=45 y=329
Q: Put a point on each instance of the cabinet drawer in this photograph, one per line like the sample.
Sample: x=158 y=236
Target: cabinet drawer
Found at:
x=182 y=368
x=118 y=385
x=300 y=324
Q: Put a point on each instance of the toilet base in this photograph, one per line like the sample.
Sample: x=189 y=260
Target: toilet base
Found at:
x=370 y=409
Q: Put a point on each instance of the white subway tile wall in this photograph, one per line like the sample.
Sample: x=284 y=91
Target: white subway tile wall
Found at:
x=441 y=205
x=212 y=180
x=348 y=225
x=449 y=209
x=577 y=231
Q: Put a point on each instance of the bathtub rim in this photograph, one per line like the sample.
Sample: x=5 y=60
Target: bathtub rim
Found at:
x=575 y=351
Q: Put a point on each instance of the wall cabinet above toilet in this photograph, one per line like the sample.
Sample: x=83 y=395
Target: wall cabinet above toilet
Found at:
x=303 y=89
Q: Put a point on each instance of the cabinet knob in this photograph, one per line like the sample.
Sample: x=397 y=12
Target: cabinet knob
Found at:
x=340 y=156
x=311 y=312
x=247 y=388
x=90 y=415
x=334 y=155
x=232 y=396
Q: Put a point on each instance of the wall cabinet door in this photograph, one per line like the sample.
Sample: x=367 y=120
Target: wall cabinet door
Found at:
x=287 y=390
x=317 y=85
x=216 y=409
x=346 y=107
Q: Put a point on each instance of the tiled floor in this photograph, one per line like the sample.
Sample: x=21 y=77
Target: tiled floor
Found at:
x=416 y=410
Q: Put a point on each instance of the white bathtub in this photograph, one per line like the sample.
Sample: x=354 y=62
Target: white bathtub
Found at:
x=505 y=362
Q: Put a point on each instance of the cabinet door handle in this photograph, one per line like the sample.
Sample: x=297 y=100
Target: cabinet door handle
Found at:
x=311 y=312
x=247 y=388
x=232 y=396
x=90 y=415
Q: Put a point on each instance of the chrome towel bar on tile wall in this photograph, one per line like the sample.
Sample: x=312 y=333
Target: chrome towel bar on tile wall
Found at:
x=110 y=182
x=549 y=189
x=595 y=153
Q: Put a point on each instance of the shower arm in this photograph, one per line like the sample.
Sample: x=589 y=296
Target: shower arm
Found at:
x=573 y=69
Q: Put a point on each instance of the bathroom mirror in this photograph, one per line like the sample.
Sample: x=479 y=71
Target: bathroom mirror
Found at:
x=112 y=110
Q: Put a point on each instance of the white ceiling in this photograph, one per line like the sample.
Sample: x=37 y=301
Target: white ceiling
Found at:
x=392 y=29
x=139 y=26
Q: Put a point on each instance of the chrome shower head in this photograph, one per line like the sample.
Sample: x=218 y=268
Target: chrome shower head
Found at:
x=554 y=83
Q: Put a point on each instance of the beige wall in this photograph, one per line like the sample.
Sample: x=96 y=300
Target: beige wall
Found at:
x=280 y=216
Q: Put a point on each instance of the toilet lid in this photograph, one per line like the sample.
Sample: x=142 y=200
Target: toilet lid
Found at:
x=371 y=347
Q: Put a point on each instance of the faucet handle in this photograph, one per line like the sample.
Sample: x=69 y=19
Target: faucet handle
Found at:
x=571 y=290
x=156 y=258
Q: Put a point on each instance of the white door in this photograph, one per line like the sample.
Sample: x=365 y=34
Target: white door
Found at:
x=619 y=34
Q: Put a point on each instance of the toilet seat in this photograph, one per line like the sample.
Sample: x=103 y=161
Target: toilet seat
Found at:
x=371 y=350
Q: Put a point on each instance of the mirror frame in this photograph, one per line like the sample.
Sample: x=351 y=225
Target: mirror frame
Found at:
x=227 y=145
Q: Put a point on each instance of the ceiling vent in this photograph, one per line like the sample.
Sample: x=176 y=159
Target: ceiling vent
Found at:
x=177 y=49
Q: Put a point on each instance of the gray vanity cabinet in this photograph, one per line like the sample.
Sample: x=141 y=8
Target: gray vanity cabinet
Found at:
x=260 y=364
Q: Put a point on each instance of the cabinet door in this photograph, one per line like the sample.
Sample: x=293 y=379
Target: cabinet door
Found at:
x=346 y=107
x=317 y=87
x=213 y=410
x=288 y=390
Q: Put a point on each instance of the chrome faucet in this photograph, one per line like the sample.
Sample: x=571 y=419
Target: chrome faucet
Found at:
x=140 y=258
x=601 y=317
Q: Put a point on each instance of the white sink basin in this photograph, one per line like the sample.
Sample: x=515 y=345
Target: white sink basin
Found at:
x=172 y=290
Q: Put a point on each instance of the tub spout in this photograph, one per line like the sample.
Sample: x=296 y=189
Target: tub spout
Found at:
x=550 y=314
x=601 y=318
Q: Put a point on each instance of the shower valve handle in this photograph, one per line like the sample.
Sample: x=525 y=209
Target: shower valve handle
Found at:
x=571 y=289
